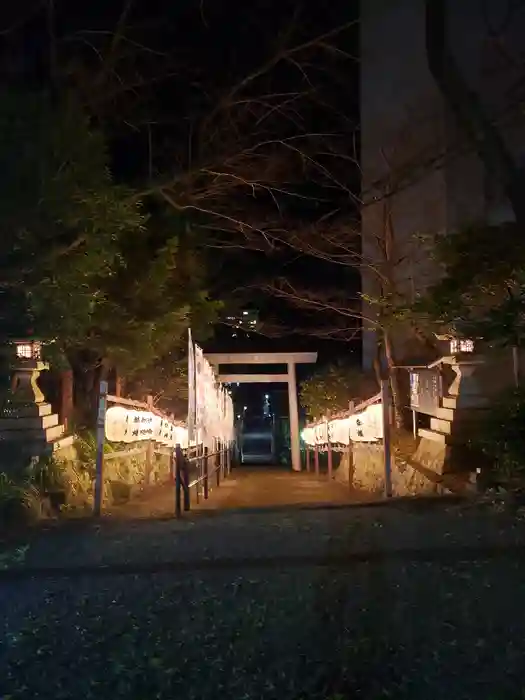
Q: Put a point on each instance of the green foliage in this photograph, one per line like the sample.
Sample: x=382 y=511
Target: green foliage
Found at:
x=48 y=474
x=61 y=217
x=151 y=299
x=480 y=293
x=332 y=388
x=501 y=437
x=19 y=501
x=82 y=265
x=86 y=449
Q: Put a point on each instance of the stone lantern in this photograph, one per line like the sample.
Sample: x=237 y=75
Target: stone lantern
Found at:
x=454 y=345
x=27 y=424
x=27 y=366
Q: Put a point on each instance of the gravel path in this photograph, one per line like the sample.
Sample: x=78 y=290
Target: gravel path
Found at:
x=375 y=602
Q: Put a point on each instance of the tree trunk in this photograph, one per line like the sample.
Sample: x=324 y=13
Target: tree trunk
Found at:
x=66 y=398
x=397 y=398
x=119 y=384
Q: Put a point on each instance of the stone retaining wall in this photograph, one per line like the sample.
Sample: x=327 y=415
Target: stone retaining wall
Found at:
x=123 y=475
x=363 y=469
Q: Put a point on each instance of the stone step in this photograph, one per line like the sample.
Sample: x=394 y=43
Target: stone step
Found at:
x=445 y=413
x=449 y=402
x=30 y=423
x=63 y=442
x=33 y=434
x=466 y=401
x=441 y=426
x=462 y=423
x=432 y=435
x=31 y=410
x=55 y=432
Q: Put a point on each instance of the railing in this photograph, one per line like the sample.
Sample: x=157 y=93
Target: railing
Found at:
x=184 y=461
x=189 y=469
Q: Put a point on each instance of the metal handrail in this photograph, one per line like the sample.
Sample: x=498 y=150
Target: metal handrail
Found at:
x=197 y=459
x=183 y=485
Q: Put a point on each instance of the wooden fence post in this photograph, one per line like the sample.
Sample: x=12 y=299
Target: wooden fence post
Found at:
x=178 y=481
x=316 y=459
x=181 y=480
x=185 y=473
x=206 y=485
x=229 y=458
x=350 y=455
x=218 y=447
x=329 y=449
x=101 y=437
x=149 y=449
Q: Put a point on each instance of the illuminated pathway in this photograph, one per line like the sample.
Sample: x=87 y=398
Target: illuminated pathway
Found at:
x=248 y=488
x=263 y=487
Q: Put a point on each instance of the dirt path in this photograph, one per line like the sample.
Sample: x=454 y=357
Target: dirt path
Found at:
x=250 y=488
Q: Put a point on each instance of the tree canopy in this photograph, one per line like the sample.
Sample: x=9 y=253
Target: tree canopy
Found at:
x=332 y=388
x=84 y=265
x=480 y=292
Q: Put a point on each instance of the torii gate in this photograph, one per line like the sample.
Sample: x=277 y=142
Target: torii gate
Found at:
x=290 y=359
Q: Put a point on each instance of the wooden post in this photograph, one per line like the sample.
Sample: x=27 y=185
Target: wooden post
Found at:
x=205 y=473
x=101 y=437
x=307 y=458
x=316 y=459
x=178 y=480
x=185 y=481
x=149 y=449
x=218 y=461
x=387 y=450
x=350 y=464
x=329 y=449
x=228 y=459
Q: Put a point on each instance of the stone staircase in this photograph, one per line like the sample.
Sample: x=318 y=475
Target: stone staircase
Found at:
x=30 y=429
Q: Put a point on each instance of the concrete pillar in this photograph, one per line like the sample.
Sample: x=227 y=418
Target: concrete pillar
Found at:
x=294 y=418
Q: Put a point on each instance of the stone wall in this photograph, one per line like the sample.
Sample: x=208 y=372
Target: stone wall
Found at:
x=123 y=475
x=363 y=469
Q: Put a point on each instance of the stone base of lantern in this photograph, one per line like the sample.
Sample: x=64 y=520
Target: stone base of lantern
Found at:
x=29 y=429
x=28 y=426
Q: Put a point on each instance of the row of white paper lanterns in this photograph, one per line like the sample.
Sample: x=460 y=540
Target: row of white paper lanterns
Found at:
x=366 y=426
x=127 y=425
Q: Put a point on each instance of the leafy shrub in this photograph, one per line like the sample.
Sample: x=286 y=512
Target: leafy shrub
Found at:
x=49 y=474
x=19 y=502
x=86 y=448
x=501 y=436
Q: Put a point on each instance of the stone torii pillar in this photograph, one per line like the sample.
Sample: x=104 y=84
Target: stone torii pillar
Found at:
x=294 y=418
x=290 y=359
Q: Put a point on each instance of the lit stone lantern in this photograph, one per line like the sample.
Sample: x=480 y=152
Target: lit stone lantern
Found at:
x=455 y=345
x=461 y=345
x=27 y=366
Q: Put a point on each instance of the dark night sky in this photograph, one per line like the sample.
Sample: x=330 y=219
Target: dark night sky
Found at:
x=197 y=43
